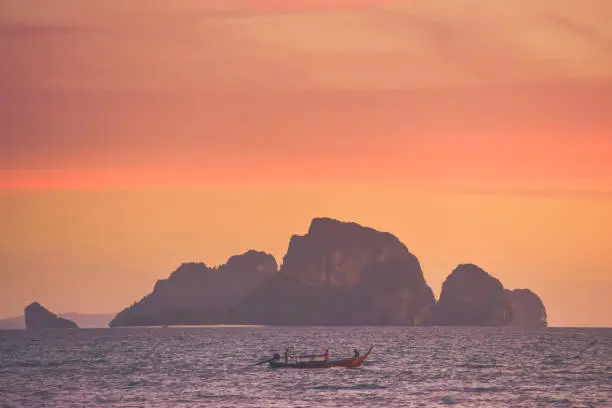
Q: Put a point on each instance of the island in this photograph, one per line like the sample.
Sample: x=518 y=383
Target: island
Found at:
x=338 y=273
x=342 y=273
x=472 y=297
x=197 y=294
x=37 y=317
x=527 y=308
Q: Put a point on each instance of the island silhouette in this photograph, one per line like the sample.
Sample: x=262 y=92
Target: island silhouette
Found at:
x=82 y=320
x=338 y=273
x=38 y=317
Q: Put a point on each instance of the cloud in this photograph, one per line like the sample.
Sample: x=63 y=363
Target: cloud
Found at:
x=17 y=31
x=310 y=45
x=433 y=85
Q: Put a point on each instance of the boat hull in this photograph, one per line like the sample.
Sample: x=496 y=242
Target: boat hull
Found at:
x=346 y=363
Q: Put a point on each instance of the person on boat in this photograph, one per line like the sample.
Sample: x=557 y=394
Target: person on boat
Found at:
x=286 y=355
x=326 y=355
x=356 y=352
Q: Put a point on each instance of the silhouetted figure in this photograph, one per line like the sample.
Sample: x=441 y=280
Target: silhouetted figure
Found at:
x=356 y=353
x=286 y=355
x=326 y=355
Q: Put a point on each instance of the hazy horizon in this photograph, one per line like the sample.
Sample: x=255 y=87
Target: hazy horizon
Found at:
x=140 y=135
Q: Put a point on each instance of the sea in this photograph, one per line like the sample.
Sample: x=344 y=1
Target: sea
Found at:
x=214 y=367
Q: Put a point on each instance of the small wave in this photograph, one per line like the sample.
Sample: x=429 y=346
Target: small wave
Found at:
x=478 y=366
x=99 y=361
x=482 y=389
x=554 y=362
x=580 y=379
x=350 y=387
x=204 y=396
x=233 y=397
x=112 y=399
x=552 y=400
x=446 y=400
x=43 y=393
x=108 y=399
x=28 y=364
x=52 y=363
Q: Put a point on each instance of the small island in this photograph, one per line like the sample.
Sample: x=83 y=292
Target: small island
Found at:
x=37 y=317
x=472 y=297
x=527 y=308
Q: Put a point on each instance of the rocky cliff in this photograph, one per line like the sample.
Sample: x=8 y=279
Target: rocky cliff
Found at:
x=342 y=273
x=337 y=273
x=527 y=309
x=197 y=294
x=37 y=317
x=472 y=297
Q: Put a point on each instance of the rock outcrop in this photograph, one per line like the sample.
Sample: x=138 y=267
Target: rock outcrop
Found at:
x=338 y=273
x=527 y=309
x=342 y=273
x=197 y=294
x=472 y=297
x=37 y=317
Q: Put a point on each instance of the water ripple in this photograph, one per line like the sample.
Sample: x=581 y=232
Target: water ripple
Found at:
x=410 y=367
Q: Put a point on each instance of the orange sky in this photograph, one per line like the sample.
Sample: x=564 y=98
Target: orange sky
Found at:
x=418 y=117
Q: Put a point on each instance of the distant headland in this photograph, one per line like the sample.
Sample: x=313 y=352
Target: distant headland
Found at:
x=339 y=273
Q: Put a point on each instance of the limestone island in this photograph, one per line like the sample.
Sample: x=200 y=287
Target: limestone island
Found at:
x=37 y=317
x=338 y=273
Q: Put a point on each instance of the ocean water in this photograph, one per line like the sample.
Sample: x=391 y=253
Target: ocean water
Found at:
x=209 y=367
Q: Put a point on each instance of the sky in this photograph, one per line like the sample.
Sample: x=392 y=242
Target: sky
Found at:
x=137 y=135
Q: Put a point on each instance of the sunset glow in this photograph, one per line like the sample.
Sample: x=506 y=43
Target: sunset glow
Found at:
x=137 y=135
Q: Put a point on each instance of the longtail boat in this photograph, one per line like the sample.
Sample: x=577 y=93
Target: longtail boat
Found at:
x=317 y=361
